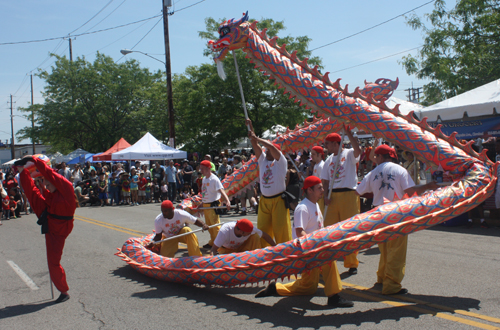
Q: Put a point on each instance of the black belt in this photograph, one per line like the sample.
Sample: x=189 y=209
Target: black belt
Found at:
x=273 y=196
x=60 y=217
x=342 y=189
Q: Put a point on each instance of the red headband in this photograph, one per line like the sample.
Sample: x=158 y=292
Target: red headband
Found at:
x=319 y=150
x=167 y=205
x=384 y=149
x=206 y=163
x=245 y=225
x=311 y=181
x=333 y=137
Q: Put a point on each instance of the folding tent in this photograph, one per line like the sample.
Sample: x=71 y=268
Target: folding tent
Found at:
x=149 y=148
x=106 y=156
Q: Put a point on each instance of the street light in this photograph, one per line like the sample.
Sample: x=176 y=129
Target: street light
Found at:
x=170 y=103
x=128 y=51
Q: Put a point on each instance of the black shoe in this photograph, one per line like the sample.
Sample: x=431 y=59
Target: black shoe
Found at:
x=257 y=209
x=469 y=224
x=402 y=291
x=207 y=246
x=338 y=301
x=267 y=292
x=243 y=212
x=353 y=271
x=484 y=225
x=62 y=298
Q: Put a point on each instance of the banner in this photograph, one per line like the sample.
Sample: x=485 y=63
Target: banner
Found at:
x=471 y=129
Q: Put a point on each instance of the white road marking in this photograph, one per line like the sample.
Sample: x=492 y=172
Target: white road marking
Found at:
x=23 y=275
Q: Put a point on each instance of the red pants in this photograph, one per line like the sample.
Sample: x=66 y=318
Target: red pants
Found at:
x=54 y=243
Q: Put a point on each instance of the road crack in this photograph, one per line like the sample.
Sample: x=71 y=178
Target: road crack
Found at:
x=94 y=317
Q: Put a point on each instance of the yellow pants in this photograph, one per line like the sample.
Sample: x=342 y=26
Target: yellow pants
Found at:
x=274 y=219
x=321 y=203
x=211 y=218
x=169 y=248
x=343 y=205
x=391 y=267
x=307 y=284
x=252 y=243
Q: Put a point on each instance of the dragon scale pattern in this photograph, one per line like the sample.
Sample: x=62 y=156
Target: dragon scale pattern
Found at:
x=474 y=177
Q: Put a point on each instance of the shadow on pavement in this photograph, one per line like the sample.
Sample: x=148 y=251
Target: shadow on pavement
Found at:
x=23 y=309
x=293 y=312
x=493 y=231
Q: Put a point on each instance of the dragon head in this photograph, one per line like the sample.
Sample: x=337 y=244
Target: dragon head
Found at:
x=233 y=35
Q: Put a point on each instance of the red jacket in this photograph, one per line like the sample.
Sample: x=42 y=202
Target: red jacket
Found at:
x=61 y=202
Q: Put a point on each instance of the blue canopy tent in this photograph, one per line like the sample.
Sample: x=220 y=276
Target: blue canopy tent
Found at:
x=81 y=159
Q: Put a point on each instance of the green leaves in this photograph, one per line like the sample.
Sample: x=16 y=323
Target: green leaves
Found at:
x=461 y=50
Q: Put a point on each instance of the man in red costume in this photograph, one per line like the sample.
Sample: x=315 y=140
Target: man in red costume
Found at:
x=54 y=205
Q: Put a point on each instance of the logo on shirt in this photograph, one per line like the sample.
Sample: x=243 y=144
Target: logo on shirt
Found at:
x=267 y=176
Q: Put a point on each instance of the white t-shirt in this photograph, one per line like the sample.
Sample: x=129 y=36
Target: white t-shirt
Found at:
x=272 y=175
x=210 y=189
x=171 y=227
x=318 y=168
x=346 y=176
x=385 y=181
x=307 y=216
x=228 y=239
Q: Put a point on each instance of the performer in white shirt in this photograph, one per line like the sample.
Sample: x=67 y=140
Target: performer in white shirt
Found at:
x=211 y=191
x=239 y=236
x=273 y=217
x=317 y=155
x=344 y=202
x=171 y=222
x=391 y=182
x=307 y=219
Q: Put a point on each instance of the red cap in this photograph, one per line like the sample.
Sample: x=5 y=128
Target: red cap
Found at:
x=311 y=181
x=277 y=146
x=177 y=164
x=333 y=137
x=206 y=163
x=167 y=205
x=384 y=149
x=319 y=150
x=244 y=225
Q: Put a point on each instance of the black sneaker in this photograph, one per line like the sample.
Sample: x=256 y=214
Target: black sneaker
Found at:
x=207 y=246
x=62 y=298
x=267 y=292
x=353 y=271
x=243 y=212
x=337 y=301
x=484 y=225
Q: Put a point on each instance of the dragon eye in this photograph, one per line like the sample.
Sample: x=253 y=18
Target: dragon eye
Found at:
x=224 y=31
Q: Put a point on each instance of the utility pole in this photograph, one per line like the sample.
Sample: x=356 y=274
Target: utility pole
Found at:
x=70 y=51
x=413 y=94
x=32 y=117
x=170 y=102
x=12 y=129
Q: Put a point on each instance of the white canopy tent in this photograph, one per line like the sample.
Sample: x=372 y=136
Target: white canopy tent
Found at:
x=404 y=106
x=481 y=101
x=148 y=148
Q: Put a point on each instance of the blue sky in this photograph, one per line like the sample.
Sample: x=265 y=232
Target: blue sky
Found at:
x=321 y=20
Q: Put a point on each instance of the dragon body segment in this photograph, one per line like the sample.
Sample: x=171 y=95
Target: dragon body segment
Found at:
x=474 y=176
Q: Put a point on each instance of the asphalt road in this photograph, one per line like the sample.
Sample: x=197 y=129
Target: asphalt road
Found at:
x=452 y=274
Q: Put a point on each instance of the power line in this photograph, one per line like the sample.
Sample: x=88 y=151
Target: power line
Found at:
x=110 y=1
x=161 y=19
x=378 y=59
x=370 y=28
x=194 y=4
x=77 y=35
x=90 y=28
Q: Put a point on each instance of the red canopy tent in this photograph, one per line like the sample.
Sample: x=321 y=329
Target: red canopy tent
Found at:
x=106 y=156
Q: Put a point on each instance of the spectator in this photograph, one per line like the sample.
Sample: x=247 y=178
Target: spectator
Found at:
x=134 y=186
x=77 y=175
x=80 y=196
x=293 y=184
x=125 y=183
x=103 y=189
x=187 y=172
x=164 y=191
x=171 y=174
x=142 y=188
x=156 y=190
x=65 y=171
x=158 y=173
x=224 y=169
x=6 y=207
x=148 y=189
x=114 y=189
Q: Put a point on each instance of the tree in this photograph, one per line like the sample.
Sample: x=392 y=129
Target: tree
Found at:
x=209 y=111
x=461 y=50
x=92 y=105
